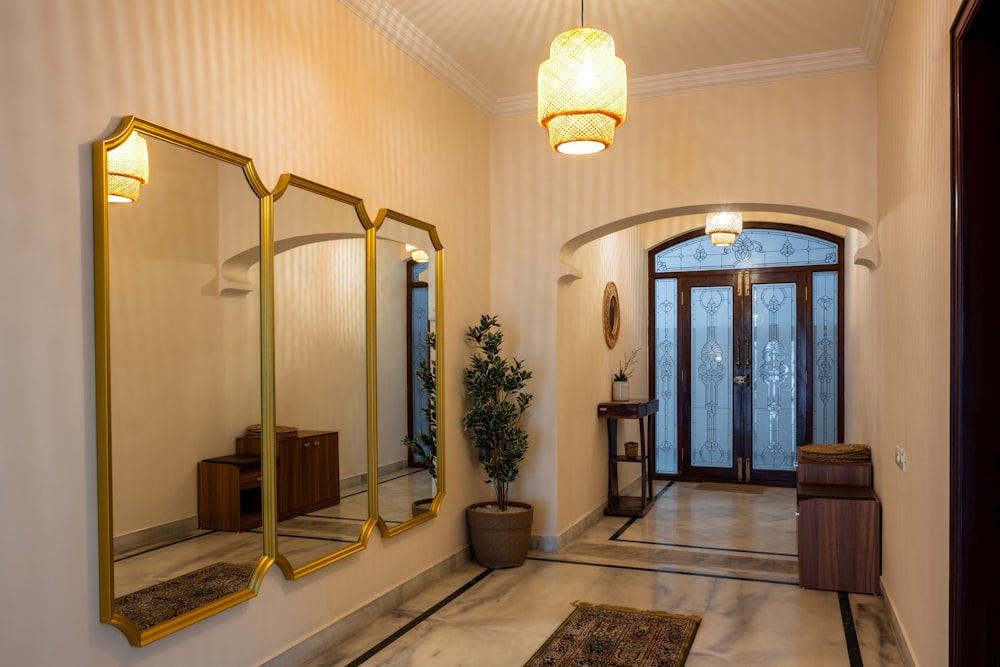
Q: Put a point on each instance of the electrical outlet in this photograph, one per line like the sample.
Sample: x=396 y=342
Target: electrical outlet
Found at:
x=901 y=459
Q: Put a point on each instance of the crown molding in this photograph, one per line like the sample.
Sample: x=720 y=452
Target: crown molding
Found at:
x=397 y=29
x=876 y=25
x=401 y=32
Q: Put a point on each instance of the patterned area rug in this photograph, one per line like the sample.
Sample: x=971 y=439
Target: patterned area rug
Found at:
x=732 y=488
x=604 y=636
x=165 y=600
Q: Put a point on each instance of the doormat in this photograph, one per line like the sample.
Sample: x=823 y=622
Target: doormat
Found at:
x=163 y=601
x=732 y=488
x=605 y=636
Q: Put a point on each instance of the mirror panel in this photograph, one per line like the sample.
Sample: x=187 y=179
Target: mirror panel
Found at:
x=321 y=368
x=408 y=295
x=178 y=333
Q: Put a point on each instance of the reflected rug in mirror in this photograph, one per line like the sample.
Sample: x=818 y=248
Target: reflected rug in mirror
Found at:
x=167 y=599
x=606 y=636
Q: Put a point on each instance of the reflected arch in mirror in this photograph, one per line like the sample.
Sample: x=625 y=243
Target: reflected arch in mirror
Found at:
x=178 y=369
x=410 y=352
x=325 y=479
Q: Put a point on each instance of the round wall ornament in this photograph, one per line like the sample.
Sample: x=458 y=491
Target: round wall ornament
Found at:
x=612 y=315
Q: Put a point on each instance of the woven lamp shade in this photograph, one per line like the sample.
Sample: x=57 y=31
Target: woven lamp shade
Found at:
x=128 y=168
x=582 y=91
x=724 y=227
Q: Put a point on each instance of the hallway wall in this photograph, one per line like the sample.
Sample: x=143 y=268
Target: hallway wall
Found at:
x=906 y=321
x=302 y=86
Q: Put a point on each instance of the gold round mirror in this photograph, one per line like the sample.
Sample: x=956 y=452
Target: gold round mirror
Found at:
x=611 y=315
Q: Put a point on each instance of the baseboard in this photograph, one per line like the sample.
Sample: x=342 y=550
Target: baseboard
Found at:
x=147 y=538
x=346 y=627
x=555 y=544
x=897 y=629
x=362 y=478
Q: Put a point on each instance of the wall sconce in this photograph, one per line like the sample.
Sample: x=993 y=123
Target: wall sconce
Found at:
x=128 y=169
x=724 y=227
x=582 y=91
x=416 y=254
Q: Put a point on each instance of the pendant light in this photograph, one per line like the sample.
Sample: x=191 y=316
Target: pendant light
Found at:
x=724 y=227
x=582 y=91
x=128 y=168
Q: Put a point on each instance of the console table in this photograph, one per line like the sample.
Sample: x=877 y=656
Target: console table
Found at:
x=643 y=410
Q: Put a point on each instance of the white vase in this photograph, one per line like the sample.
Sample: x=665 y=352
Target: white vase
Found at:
x=619 y=390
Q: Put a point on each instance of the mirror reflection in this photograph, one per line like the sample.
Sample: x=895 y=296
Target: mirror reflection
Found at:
x=321 y=358
x=410 y=477
x=179 y=359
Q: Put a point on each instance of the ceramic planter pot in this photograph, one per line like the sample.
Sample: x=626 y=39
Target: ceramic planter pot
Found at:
x=421 y=506
x=500 y=539
x=619 y=390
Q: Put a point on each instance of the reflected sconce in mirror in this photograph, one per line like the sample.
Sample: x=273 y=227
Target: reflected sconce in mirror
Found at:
x=724 y=227
x=128 y=169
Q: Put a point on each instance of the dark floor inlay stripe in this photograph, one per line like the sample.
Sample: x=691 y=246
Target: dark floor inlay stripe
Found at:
x=850 y=632
x=360 y=660
x=665 y=570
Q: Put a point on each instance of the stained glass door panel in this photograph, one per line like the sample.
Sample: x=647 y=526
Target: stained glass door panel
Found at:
x=711 y=377
x=665 y=375
x=774 y=370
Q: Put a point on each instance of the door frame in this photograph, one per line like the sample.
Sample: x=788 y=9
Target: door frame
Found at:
x=974 y=590
x=682 y=399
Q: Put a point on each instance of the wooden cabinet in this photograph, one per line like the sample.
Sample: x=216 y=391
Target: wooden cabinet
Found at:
x=840 y=538
x=229 y=493
x=645 y=411
x=308 y=471
x=839 y=526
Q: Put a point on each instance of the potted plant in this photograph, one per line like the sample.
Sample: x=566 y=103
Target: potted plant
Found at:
x=500 y=531
x=424 y=444
x=619 y=384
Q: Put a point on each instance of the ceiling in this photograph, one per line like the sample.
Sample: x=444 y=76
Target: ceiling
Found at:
x=489 y=50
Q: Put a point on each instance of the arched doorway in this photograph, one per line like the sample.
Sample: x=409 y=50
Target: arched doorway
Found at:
x=747 y=350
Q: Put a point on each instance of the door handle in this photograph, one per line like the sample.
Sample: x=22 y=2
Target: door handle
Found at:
x=737 y=352
x=740 y=379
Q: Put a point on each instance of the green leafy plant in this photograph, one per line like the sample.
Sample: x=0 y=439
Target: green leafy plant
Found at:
x=625 y=369
x=495 y=386
x=424 y=445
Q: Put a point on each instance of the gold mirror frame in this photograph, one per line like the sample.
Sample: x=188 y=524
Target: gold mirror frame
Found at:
x=397 y=230
x=311 y=229
x=611 y=315
x=148 y=630
x=232 y=278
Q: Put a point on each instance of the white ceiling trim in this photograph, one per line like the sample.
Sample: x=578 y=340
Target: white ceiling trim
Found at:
x=760 y=71
x=401 y=32
x=876 y=24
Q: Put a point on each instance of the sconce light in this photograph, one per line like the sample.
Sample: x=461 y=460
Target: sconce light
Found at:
x=582 y=91
x=724 y=227
x=128 y=168
x=416 y=254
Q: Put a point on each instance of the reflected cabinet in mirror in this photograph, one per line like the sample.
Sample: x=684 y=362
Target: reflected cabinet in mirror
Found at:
x=408 y=279
x=178 y=333
x=321 y=356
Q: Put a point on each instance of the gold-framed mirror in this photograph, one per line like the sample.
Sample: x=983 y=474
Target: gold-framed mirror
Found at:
x=611 y=315
x=324 y=483
x=178 y=331
x=409 y=349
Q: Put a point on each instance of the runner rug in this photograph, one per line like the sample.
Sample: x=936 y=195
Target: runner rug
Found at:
x=165 y=600
x=605 y=636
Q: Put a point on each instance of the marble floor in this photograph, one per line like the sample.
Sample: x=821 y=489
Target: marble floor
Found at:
x=729 y=557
